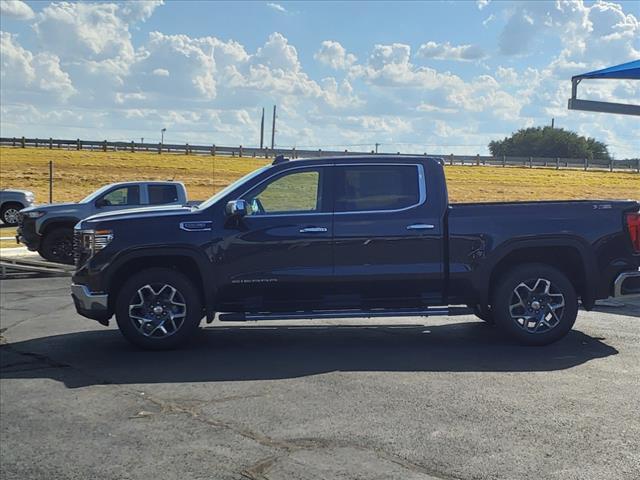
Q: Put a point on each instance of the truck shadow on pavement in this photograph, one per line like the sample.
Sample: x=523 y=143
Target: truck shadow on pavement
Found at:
x=243 y=353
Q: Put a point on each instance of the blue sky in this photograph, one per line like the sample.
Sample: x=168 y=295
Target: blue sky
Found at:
x=442 y=77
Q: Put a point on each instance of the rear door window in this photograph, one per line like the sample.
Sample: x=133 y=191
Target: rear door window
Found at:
x=159 y=194
x=360 y=188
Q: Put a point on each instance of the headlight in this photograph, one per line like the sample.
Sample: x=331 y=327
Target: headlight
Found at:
x=29 y=197
x=33 y=214
x=91 y=241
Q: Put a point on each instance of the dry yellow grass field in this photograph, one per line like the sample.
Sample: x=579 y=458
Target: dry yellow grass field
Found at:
x=77 y=173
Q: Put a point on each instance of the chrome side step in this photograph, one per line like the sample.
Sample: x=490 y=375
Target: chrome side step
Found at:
x=430 y=311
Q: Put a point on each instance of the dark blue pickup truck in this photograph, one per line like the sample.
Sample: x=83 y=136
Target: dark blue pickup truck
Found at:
x=353 y=237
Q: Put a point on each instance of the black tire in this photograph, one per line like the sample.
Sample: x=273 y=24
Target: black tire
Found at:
x=57 y=246
x=484 y=313
x=9 y=213
x=521 y=293
x=158 y=279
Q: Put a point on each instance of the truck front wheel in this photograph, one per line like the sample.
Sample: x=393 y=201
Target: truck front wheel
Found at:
x=57 y=246
x=10 y=214
x=158 y=309
x=535 y=304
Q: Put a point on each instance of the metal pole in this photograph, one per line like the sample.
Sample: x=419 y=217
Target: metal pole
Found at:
x=50 y=181
x=273 y=128
x=262 y=130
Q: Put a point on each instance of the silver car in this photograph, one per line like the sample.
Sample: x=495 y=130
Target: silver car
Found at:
x=11 y=202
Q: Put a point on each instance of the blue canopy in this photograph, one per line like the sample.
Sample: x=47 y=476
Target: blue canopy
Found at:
x=629 y=70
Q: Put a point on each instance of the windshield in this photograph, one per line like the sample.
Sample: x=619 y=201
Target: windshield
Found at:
x=225 y=191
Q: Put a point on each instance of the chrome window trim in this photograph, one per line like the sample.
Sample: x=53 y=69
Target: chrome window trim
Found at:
x=422 y=189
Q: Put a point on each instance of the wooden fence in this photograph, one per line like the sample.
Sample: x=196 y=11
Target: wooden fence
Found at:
x=240 y=151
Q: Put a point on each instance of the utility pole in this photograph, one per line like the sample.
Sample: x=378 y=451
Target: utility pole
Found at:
x=273 y=128
x=162 y=136
x=262 y=130
x=377 y=145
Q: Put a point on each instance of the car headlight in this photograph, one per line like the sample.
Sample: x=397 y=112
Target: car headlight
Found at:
x=33 y=214
x=92 y=241
x=29 y=197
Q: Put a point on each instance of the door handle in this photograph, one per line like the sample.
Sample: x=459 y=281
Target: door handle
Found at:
x=313 y=230
x=421 y=226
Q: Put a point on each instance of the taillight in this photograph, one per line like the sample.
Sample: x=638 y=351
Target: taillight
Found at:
x=633 y=225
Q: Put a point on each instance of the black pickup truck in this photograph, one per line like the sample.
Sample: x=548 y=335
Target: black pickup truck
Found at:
x=353 y=237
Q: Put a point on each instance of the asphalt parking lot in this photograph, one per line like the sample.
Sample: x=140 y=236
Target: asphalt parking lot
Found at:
x=439 y=398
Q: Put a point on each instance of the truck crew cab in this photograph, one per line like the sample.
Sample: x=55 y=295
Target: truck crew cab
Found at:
x=352 y=237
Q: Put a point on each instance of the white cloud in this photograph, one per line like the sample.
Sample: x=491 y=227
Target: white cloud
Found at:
x=277 y=7
x=23 y=71
x=140 y=10
x=482 y=3
x=16 y=9
x=161 y=72
x=334 y=55
x=94 y=31
x=446 y=51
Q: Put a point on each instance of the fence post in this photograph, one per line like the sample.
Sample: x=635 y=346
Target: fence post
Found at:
x=504 y=160
x=477 y=159
x=586 y=164
x=14 y=142
x=240 y=151
x=78 y=144
x=530 y=162
x=133 y=147
x=22 y=142
x=50 y=143
x=638 y=166
x=451 y=159
x=186 y=149
x=611 y=164
x=557 y=163
x=213 y=150
x=293 y=153
x=462 y=161
x=104 y=146
x=159 y=148
x=36 y=143
x=50 y=181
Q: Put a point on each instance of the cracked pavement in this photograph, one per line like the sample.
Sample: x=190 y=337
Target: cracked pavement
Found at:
x=437 y=398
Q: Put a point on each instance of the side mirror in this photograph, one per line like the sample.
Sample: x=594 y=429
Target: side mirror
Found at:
x=237 y=208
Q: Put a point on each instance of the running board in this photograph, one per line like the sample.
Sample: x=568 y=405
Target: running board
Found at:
x=246 y=317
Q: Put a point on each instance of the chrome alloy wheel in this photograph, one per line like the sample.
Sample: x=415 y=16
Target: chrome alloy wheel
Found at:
x=157 y=310
x=536 y=306
x=11 y=216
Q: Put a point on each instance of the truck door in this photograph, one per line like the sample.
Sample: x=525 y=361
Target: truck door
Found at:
x=279 y=256
x=387 y=236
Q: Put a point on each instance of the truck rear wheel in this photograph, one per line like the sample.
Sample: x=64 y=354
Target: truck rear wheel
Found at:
x=535 y=304
x=158 y=309
x=57 y=246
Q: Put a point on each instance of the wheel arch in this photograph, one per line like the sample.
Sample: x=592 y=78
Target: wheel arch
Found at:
x=184 y=260
x=570 y=256
x=57 y=222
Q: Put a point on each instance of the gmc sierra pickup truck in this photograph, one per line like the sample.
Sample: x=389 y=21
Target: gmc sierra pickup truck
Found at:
x=48 y=229
x=353 y=237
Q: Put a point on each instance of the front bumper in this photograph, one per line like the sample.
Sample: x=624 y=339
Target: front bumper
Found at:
x=91 y=305
x=626 y=284
x=27 y=235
